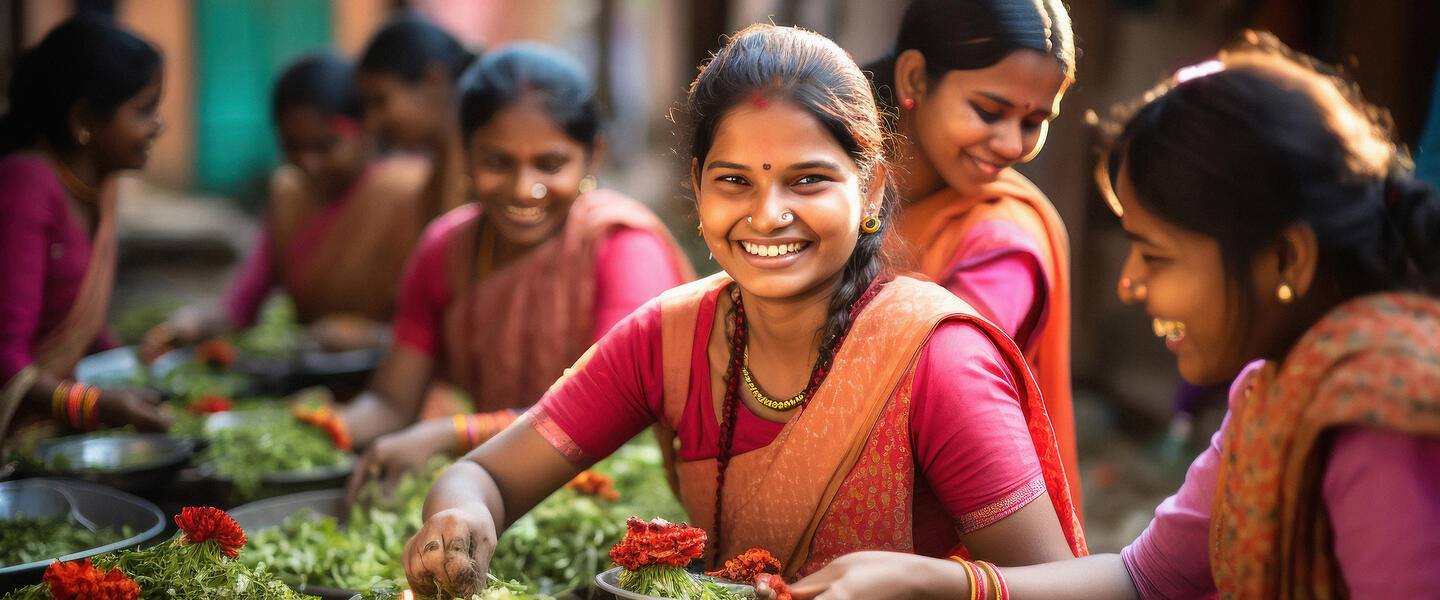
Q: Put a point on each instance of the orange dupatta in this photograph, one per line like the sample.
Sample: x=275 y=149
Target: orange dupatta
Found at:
x=793 y=486
x=935 y=227
x=57 y=351
x=355 y=265
x=509 y=337
x=1371 y=362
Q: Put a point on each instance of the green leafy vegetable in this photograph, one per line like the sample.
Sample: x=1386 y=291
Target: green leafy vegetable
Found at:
x=269 y=441
x=24 y=540
x=666 y=581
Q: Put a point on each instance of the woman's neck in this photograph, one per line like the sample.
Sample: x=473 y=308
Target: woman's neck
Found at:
x=77 y=171
x=788 y=331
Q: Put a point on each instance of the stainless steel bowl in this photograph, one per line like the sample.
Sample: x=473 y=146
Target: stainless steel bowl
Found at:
x=271 y=512
x=133 y=462
x=93 y=506
x=609 y=581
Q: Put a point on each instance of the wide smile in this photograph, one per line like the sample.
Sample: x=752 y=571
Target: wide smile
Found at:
x=1172 y=331
x=989 y=169
x=524 y=215
x=772 y=253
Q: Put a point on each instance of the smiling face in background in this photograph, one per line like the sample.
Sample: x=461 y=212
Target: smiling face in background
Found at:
x=527 y=172
x=1188 y=296
x=743 y=205
x=124 y=140
x=972 y=124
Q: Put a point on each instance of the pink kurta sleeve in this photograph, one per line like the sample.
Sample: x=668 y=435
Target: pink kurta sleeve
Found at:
x=631 y=267
x=424 y=294
x=24 y=250
x=612 y=393
x=1382 y=492
x=997 y=270
x=252 y=283
x=972 y=445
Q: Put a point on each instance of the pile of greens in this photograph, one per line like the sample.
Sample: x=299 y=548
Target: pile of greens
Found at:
x=277 y=332
x=24 y=540
x=676 y=583
x=270 y=441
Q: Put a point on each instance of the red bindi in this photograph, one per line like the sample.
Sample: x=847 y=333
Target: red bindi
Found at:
x=759 y=100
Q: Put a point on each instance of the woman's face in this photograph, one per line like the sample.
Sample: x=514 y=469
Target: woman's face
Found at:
x=1188 y=296
x=972 y=124
x=403 y=114
x=780 y=201
x=527 y=172
x=329 y=149
x=124 y=140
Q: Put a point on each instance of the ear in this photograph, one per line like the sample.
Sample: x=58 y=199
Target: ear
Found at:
x=911 y=80
x=597 y=154
x=695 y=178
x=79 y=119
x=875 y=196
x=1298 y=254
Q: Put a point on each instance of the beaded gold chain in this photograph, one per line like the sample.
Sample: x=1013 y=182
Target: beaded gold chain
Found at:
x=762 y=397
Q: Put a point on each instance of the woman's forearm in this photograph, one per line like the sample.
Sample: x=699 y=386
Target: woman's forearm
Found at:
x=1099 y=576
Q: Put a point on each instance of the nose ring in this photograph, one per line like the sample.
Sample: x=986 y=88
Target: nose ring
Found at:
x=786 y=216
x=538 y=191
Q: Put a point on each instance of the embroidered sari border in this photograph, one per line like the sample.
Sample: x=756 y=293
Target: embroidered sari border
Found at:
x=999 y=509
x=546 y=426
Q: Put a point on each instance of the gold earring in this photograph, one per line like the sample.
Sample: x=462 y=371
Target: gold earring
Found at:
x=1284 y=293
x=700 y=230
x=870 y=225
x=588 y=184
x=83 y=137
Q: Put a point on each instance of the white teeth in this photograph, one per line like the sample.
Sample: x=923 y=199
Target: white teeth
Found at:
x=772 y=249
x=525 y=212
x=1172 y=331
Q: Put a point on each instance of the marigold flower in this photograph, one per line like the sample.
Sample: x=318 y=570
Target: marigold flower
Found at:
x=200 y=523
x=592 y=483
x=210 y=403
x=80 y=580
x=215 y=352
x=746 y=567
x=658 y=542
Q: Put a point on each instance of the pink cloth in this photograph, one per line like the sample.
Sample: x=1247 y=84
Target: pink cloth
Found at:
x=1382 y=496
x=971 y=444
x=997 y=270
x=44 y=251
x=631 y=267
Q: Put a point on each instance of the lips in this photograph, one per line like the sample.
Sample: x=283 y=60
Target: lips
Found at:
x=989 y=169
x=772 y=249
x=1172 y=331
x=525 y=215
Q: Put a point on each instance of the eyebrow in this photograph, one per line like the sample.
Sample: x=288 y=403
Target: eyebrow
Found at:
x=809 y=164
x=1049 y=114
x=724 y=164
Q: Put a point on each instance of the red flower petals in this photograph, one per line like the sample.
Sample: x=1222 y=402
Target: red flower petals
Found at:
x=327 y=420
x=210 y=403
x=215 y=352
x=591 y=483
x=658 y=542
x=202 y=523
x=79 y=580
x=746 y=567
x=777 y=584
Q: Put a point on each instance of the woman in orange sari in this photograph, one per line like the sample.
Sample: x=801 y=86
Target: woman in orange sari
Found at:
x=972 y=86
x=500 y=296
x=82 y=108
x=906 y=421
x=1277 y=240
x=340 y=224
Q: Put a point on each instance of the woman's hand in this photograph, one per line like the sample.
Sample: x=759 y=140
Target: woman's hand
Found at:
x=338 y=333
x=404 y=451
x=185 y=327
x=133 y=406
x=878 y=575
x=451 y=553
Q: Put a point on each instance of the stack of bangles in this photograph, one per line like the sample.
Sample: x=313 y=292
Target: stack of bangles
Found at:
x=473 y=430
x=77 y=404
x=984 y=579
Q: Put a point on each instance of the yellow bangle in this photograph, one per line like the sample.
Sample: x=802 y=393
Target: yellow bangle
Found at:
x=57 y=400
x=970 y=578
x=462 y=440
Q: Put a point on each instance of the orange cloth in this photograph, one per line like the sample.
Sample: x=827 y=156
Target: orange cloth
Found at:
x=935 y=228
x=1370 y=362
x=797 y=491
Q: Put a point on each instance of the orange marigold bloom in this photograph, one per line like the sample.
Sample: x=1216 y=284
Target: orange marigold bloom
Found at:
x=657 y=542
x=215 y=352
x=210 y=403
x=592 y=483
x=79 y=580
x=202 y=523
x=746 y=567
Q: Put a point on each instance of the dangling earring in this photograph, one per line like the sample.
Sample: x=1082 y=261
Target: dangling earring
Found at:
x=908 y=103
x=700 y=230
x=1284 y=293
x=870 y=225
x=83 y=137
x=588 y=184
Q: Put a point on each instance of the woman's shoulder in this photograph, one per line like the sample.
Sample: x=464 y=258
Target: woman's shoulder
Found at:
x=24 y=179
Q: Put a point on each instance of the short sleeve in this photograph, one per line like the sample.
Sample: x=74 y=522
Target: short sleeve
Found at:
x=972 y=444
x=424 y=292
x=631 y=267
x=997 y=270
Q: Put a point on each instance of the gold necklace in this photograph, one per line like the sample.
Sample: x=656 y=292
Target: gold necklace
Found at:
x=82 y=191
x=761 y=397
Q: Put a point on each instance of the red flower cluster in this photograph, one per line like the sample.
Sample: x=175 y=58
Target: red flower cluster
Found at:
x=591 y=483
x=326 y=419
x=215 y=352
x=79 y=580
x=202 y=523
x=210 y=403
x=777 y=584
x=658 y=542
x=746 y=567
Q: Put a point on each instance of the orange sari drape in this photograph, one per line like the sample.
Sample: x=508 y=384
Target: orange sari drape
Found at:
x=934 y=229
x=350 y=264
x=840 y=476
x=57 y=351
x=510 y=336
x=1373 y=362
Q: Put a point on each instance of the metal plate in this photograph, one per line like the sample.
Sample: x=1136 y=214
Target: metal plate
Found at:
x=134 y=462
x=610 y=582
x=94 y=506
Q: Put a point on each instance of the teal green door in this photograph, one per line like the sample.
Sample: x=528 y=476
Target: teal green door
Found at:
x=240 y=46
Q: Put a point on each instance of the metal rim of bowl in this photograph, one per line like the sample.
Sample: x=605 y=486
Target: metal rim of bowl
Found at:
x=181 y=452
x=619 y=592
x=139 y=538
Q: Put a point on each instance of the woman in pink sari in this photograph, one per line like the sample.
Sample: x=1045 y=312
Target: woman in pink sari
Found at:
x=340 y=223
x=500 y=296
x=1277 y=240
x=82 y=108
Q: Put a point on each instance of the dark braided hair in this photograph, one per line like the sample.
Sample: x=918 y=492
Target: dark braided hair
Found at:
x=814 y=73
